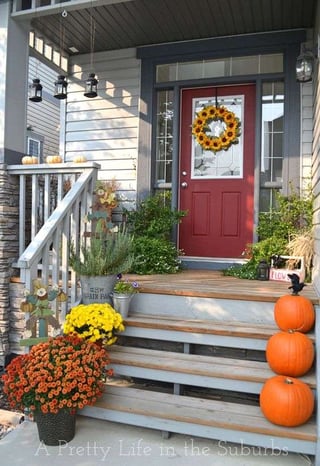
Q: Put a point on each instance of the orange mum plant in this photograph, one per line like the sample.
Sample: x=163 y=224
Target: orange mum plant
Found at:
x=65 y=372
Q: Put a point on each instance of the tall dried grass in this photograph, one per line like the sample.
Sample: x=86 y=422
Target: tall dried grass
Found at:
x=302 y=244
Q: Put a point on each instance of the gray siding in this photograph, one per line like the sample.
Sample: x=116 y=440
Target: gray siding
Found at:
x=316 y=162
x=44 y=117
x=105 y=129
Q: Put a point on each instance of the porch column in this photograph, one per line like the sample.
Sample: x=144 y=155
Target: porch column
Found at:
x=14 y=45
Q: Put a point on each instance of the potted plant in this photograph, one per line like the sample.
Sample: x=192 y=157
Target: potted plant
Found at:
x=54 y=380
x=97 y=322
x=105 y=251
x=123 y=292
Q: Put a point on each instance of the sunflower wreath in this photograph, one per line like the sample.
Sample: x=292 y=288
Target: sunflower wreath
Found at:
x=228 y=136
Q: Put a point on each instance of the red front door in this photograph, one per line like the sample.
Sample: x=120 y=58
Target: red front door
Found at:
x=216 y=186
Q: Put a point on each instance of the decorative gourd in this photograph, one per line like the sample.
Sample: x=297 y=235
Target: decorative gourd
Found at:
x=294 y=312
x=286 y=401
x=53 y=159
x=290 y=353
x=79 y=159
x=29 y=160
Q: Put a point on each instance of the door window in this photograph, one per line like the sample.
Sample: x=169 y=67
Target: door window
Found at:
x=225 y=162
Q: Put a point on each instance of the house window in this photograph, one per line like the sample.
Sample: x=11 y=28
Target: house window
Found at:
x=35 y=148
x=164 y=139
x=230 y=66
x=272 y=141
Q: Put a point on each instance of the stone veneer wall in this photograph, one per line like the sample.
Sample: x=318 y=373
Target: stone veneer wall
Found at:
x=9 y=247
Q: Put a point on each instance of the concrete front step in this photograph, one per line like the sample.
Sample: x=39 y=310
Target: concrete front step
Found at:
x=231 y=422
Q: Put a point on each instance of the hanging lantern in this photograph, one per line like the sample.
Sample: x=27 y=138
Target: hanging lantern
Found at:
x=36 y=91
x=263 y=270
x=91 y=86
x=61 y=88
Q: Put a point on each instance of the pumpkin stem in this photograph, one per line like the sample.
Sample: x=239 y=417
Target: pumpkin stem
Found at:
x=288 y=381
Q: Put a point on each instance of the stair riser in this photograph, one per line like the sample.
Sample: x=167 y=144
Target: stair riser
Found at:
x=187 y=307
x=188 y=337
x=187 y=379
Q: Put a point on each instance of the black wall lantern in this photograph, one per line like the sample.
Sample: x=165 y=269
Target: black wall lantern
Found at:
x=36 y=91
x=91 y=86
x=61 y=84
x=263 y=270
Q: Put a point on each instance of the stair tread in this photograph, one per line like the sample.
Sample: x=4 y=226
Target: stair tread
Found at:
x=197 y=365
x=220 y=414
x=213 y=327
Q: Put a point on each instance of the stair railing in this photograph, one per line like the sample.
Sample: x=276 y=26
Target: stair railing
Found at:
x=54 y=200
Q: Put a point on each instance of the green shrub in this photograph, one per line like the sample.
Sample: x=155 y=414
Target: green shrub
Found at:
x=151 y=225
x=154 y=255
x=276 y=228
x=154 y=217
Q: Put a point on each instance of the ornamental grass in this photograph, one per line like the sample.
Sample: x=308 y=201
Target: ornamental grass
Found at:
x=94 y=322
x=64 y=373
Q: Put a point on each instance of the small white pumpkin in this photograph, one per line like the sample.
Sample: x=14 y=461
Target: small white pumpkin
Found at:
x=54 y=159
x=79 y=159
x=29 y=160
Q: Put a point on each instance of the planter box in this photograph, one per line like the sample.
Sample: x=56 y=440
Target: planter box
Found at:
x=281 y=271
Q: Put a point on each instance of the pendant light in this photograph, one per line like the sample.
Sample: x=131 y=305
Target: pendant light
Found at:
x=91 y=86
x=60 y=91
x=35 y=91
x=91 y=82
x=60 y=86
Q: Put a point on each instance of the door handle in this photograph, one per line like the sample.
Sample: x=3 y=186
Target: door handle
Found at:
x=184 y=184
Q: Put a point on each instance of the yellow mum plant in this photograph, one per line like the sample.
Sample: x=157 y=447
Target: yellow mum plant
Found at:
x=94 y=322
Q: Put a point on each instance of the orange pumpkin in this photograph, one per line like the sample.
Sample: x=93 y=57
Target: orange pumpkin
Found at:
x=294 y=312
x=290 y=353
x=29 y=160
x=286 y=401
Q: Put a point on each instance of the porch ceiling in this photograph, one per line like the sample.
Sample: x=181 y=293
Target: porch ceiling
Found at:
x=142 y=22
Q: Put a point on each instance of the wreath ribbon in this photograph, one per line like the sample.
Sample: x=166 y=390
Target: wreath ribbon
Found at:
x=227 y=137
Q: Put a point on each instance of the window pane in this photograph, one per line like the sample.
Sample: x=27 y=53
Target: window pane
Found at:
x=164 y=137
x=167 y=73
x=271 y=141
x=215 y=68
x=189 y=70
x=245 y=65
x=271 y=63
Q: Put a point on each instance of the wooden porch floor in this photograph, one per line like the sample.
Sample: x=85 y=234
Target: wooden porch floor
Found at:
x=212 y=283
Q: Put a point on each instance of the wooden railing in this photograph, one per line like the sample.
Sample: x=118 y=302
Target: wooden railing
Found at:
x=54 y=200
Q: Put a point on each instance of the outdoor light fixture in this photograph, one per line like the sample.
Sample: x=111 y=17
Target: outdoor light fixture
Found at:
x=263 y=270
x=304 y=66
x=91 y=86
x=36 y=91
x=61 y=84
x=91 y=82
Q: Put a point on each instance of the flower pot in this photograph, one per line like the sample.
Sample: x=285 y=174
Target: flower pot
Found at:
x=55 y=429
x=121 y=303
x=97 y=289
